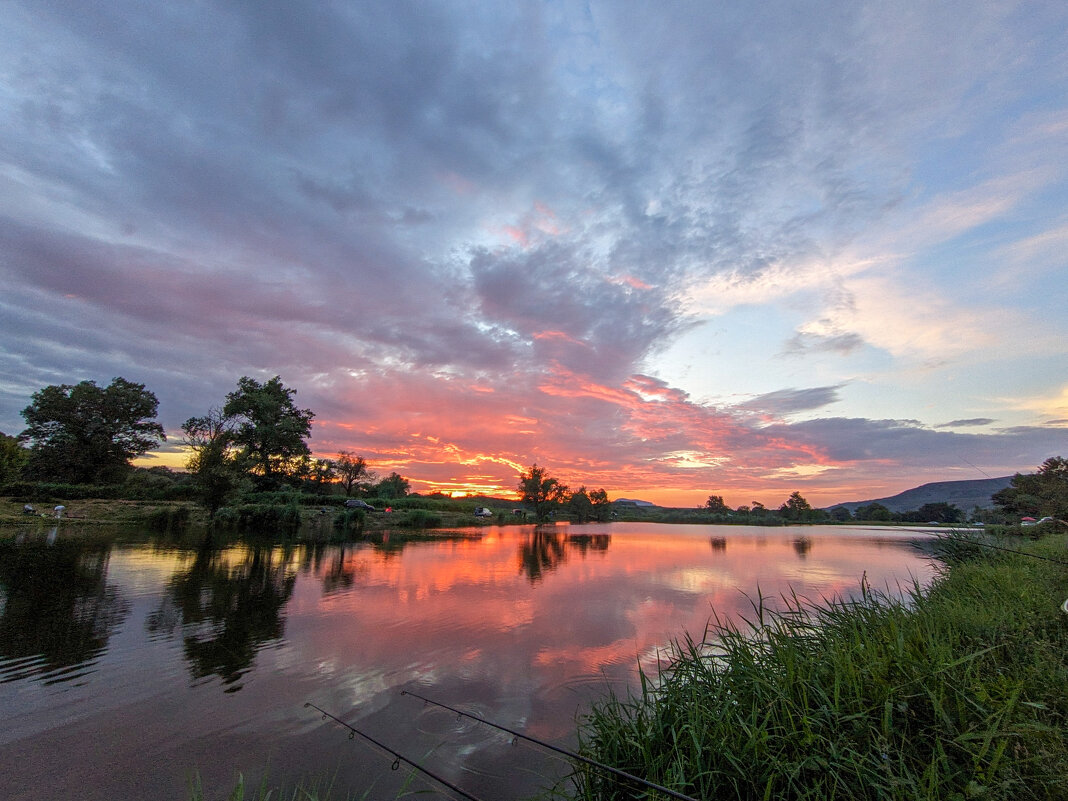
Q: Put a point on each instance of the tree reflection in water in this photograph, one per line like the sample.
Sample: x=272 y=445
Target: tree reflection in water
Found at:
x=545 y=550
x=57 y=610
x=227 y=608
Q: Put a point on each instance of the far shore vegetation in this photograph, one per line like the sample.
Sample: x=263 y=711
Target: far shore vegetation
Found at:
x=250 y=469
x=957 y=691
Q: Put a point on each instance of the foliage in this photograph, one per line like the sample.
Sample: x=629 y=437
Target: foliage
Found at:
x=168 y=518
x=1040 y=494
x=269 y=429
x=796 y=508
x=841 y=514
x=875 y=512
x=392 y=486
x=715 y=504
x=212 y=460
x=259 y=518
x=579 y=505
x=933 y=513
x=541 y=492
x=957 y=692
x=13 y=458
x=417 y=518
x=83 y=433
x=352 y=471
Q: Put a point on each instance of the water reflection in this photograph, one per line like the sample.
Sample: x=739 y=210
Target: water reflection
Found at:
x=226 y=605
x=545 y=549
x=57 y=610
x=525 y=625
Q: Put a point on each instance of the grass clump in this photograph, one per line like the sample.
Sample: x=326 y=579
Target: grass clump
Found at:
x=954 y=692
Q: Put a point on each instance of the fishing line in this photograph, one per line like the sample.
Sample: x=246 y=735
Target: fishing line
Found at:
x=1018 y=553
x=398 y=758
x=592 y=763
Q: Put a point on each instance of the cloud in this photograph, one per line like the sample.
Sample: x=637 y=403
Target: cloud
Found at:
x=467 y=239
x=971 y=421
x=788 y=401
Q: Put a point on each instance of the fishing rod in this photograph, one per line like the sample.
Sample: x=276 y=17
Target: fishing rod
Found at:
x=398 y=758
x=570 y=754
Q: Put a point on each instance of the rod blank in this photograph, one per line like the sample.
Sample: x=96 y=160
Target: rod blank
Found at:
x=570 y=754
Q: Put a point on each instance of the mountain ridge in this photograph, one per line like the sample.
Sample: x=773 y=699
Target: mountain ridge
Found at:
x=965 y=495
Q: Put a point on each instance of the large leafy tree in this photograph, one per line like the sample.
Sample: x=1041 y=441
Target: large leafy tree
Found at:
x=13 y=458
x=1040 y=494
x=83 y=433
x=715 y=504
x=602 y=509
x=212 y=460
x=352 y=471
x=540 y=491
x=270 y=431
x=796 y=508
x=392 y=486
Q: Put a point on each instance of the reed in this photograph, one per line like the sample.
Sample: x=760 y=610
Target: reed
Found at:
x=956 y=691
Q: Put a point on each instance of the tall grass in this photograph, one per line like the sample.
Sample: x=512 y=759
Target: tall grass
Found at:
x=954 y=692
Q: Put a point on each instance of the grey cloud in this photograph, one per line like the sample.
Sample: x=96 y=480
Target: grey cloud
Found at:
x=787 y=401
x=585 y=321
x=909 y=443
x=803 y=342
x=968 y=422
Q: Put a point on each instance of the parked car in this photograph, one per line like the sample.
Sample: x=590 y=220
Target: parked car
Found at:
x=356 y=503
x=482 y=511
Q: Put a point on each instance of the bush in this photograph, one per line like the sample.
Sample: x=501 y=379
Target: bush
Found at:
x=349 y=521
x=260 y=518
x=168 y=518
x=417 y=518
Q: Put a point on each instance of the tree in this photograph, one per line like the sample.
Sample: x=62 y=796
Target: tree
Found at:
x=874 y=512
x=1040 y=494
x=352 y=471
x=270 y=430
x=540 y=491
x=716 y=505
x=579 y=505
x=841 y=514
x=392 y=486
x=602 y=507
x=796 y=508
x=212 y=460
x=13 y=458
x=940 y=512
x=83 y=433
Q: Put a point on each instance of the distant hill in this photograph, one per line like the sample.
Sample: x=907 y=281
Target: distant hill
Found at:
x=965 y=495
x=632 y=502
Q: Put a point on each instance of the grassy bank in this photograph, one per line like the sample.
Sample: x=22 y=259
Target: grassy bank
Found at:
x=959 y=691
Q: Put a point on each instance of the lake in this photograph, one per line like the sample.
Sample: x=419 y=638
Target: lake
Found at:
x=129 y=662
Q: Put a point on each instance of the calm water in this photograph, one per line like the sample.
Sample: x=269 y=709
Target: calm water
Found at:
x=128 y=663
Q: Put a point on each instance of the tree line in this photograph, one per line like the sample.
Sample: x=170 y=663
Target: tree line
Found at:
x=256 y=440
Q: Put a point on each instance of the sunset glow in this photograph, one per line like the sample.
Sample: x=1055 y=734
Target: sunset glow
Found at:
x=664 y=251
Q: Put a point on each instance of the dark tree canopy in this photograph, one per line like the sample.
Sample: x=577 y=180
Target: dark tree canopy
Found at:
x=541 y=491
x=392 y=486
x=212 y=462
x=715 y=504
x=352 y=471
x=796 y=508
x=270 y=430
x=1040 y=494
x=13 y=458
x=83 y=433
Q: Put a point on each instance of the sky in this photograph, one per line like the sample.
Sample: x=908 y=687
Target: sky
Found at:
x=669 y=250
